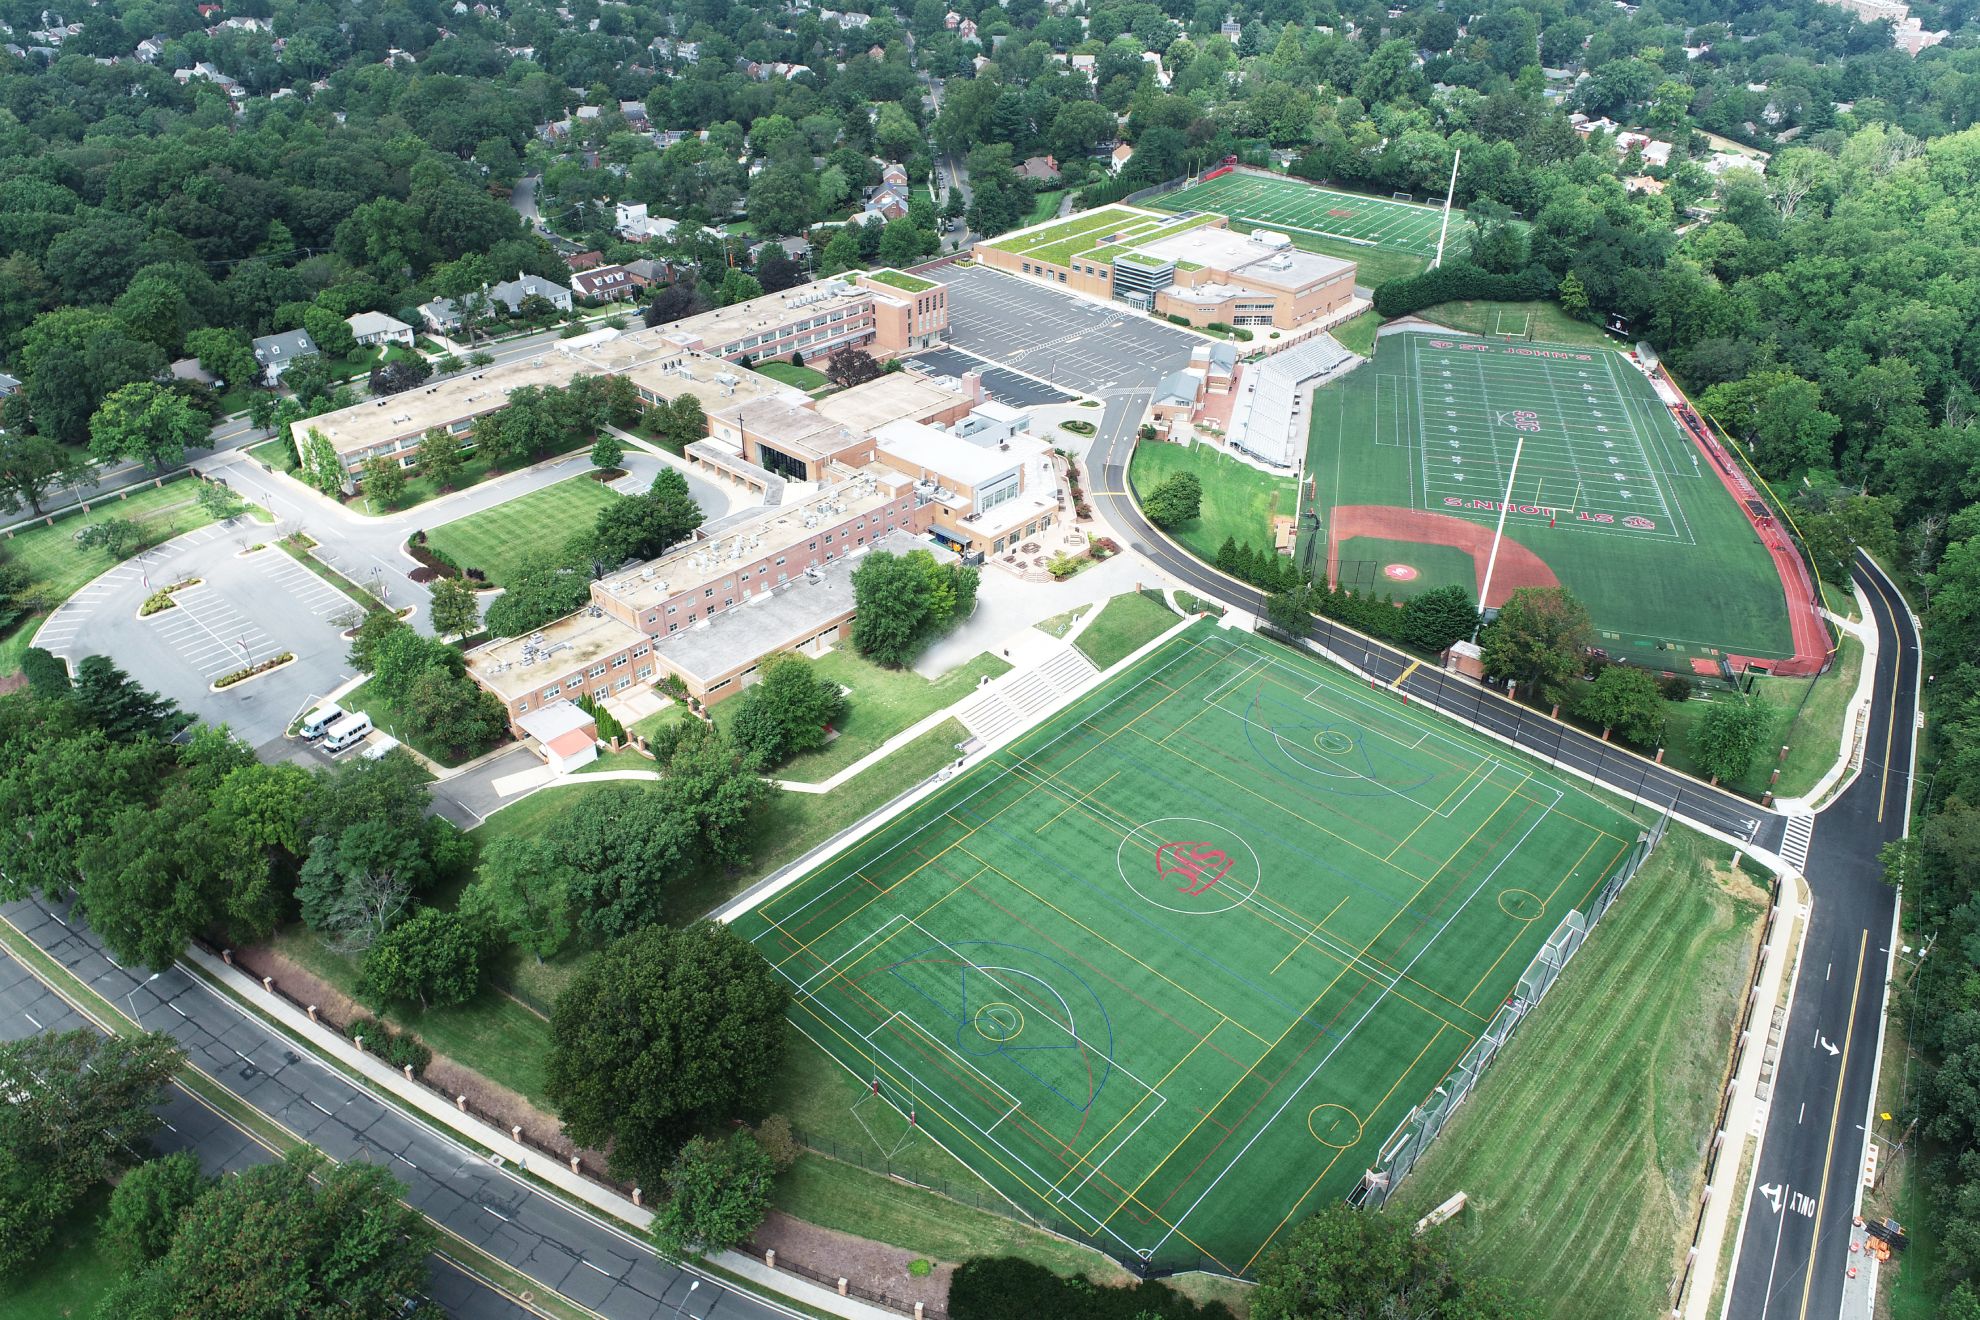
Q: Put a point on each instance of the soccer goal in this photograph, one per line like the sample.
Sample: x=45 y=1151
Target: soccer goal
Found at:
x=1402 y=197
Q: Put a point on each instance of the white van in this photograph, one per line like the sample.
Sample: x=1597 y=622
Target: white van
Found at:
x=320 y=719
x=347 y=732
x=380 y=745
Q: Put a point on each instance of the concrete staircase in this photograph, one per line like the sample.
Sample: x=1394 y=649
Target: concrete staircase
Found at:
x=1018 y=699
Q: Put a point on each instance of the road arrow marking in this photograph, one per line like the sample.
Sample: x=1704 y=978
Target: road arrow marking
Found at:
x=1821 y=1043
x=1772 y=1191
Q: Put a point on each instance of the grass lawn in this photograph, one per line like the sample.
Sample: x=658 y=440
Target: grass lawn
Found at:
x=1550 y=324
x=474 y=470
x=883 y=702
x=1812 y=729
x=60 y=568
x=1583 y=1148
x=804 y=378
x=1044 y=206
x=277 y=453
x=497 y=540
x=1238 y=500
x=1061 y=624
x=1126 y=622
x=622 y=760
x=73 y=1274
x=492 y=1034
x=1358 y=335
x=650 y=727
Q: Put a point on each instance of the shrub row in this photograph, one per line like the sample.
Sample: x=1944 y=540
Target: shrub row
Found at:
x=397 y=1048
x=1459 y=280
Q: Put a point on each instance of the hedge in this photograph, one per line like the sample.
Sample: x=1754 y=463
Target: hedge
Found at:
x=397 y=1048
x=1007 y=1288
x=1460 y=281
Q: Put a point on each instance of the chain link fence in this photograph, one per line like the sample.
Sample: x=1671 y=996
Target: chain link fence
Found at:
x=1413 y=1136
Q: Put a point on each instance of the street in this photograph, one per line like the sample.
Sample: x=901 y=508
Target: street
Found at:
x=1793 y=1253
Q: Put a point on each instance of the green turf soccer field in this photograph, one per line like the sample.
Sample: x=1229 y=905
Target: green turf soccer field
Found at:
x=1611 y=501
x=1295 y=204
x=1169 y=969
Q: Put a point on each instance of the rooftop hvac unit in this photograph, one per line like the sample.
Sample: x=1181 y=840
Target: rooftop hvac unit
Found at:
x=645 y=575
x=536 y=639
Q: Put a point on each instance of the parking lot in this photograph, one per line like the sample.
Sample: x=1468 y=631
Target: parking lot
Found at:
x=1000 y=383
x=1083 y=345
x=211 y=635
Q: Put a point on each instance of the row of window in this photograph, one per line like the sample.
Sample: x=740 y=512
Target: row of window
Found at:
x=549 y=694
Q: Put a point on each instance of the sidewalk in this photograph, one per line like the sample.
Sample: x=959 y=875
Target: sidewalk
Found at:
x=435 y=1112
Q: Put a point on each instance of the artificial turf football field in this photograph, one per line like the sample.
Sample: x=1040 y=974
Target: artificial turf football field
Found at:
x=1171 y=967
x=1295 y=204
x=1611 y=500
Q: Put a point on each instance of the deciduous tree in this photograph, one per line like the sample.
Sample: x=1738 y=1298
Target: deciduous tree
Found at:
x=523 y=889
x=1176 y=499
x=440 y=457
x=146 y=423
x=1348 y=1262
x=1436 y=618
x=664 y=1033
x=432 y=956
x=1540 y=640
x=789 y=709
x=33 y=465
x=147 y=1206
x=1729 y=735
x=1625 y=699
x=456 y=610
x=384 y=480
x=716 y=1195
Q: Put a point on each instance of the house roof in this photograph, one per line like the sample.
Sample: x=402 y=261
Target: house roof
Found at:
x=524 y=286
x=374 y=323
x=567 y=745
x=554 y=720
x=282 y=347
x=601 y=279
x=1176 y=387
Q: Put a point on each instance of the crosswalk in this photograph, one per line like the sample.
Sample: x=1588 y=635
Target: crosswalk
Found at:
x=1794 y=844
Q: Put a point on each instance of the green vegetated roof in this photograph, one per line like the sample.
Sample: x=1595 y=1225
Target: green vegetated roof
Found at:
x=900 y=279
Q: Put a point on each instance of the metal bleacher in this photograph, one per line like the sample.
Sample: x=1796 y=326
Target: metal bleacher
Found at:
x=1266 y=422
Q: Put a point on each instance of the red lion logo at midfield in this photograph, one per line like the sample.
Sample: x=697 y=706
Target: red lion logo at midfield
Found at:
x=1198 y=863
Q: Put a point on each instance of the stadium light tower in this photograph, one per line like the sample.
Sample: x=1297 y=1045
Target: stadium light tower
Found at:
x=1450 y=195
x=1492 y=562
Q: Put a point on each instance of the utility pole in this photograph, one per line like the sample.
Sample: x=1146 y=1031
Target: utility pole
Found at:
x=1492 y=562
x=1450 y=195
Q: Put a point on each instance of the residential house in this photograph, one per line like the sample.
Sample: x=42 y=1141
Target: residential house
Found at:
x=646 y=272
x=445 y=313
x=1122 y=154
x=585 y=260
x=604 y=284
x=370 y=328
x=150 y=49
x=634 y=113
x=276 y=353
x=1085 y=64
x=967 y=29
x=1039 y=169
x=847 y=21
x=951 y=19
x=1230 y=29
x=8 y=384
x=189 y=370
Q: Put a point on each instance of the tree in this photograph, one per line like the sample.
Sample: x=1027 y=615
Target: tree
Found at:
x=541 y=589
x=1348 y=1262
x=717 y=1193
x=790 y=709
x=452 y=713
x=359 y=882
x=621 y=852
x=665 y=1032
x=330 y=332
x=298 y=1237
x=1175 y=500
x=890 y=600
x=47 y=674
x=71 y=359
x=431 y=956
x=154 y=877
x=147 y=1205
x=646 y=526
x=440 y=457
x=712 y=787
x=384 y=480
x=146 y=423
x=1291 y=610
x=1731 y=733
x=78 y=1105
x=606 y=452
x=1435 y=619
x=850 y=366
x=1540 y=640
x=737 y=286
x=1574 y=297
x=684 y=423
x=523 y=889
x=126 y=712
x=116 y=537
x=1625 y=698
x=219 y=502
x=456 y=609
x=225 y=354
x=32 y=465
x=321 y=467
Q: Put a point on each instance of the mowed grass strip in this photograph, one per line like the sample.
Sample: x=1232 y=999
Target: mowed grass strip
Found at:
x=1126 y=623
x=1239 y=500
x=1583 y=1149
x=497 y=540
x=1285 y=203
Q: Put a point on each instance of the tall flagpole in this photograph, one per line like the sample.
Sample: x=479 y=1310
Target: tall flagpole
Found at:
x=1492 y=562
x=1450 y=195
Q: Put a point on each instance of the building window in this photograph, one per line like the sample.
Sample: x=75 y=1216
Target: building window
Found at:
x=522 y=708
x=640 y=650
x=551 y=691
x=597 y=671
x=707 y=592
x=780 y=560
x=621 y=661
x=673 y=627
x=644 y=674
x=622 y=684
x=673 y=609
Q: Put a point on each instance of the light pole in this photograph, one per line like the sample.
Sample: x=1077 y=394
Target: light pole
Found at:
x=130 y=993
x=684 y=1298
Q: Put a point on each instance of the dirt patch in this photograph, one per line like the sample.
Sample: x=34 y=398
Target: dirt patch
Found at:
x=873 y=1267
x=1518 y=566
x=497 y=1105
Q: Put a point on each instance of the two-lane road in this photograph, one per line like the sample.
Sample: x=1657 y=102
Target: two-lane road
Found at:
x=1794 y=1243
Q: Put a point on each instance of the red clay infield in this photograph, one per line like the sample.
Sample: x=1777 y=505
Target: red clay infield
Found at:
x=1518 y=566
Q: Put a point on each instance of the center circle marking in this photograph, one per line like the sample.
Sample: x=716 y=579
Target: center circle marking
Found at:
x=1333 y=742
x=1160 y=878
x=1521 y=904
x=1000 y=1022
x=1399 y=572
x=1336 y=1126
